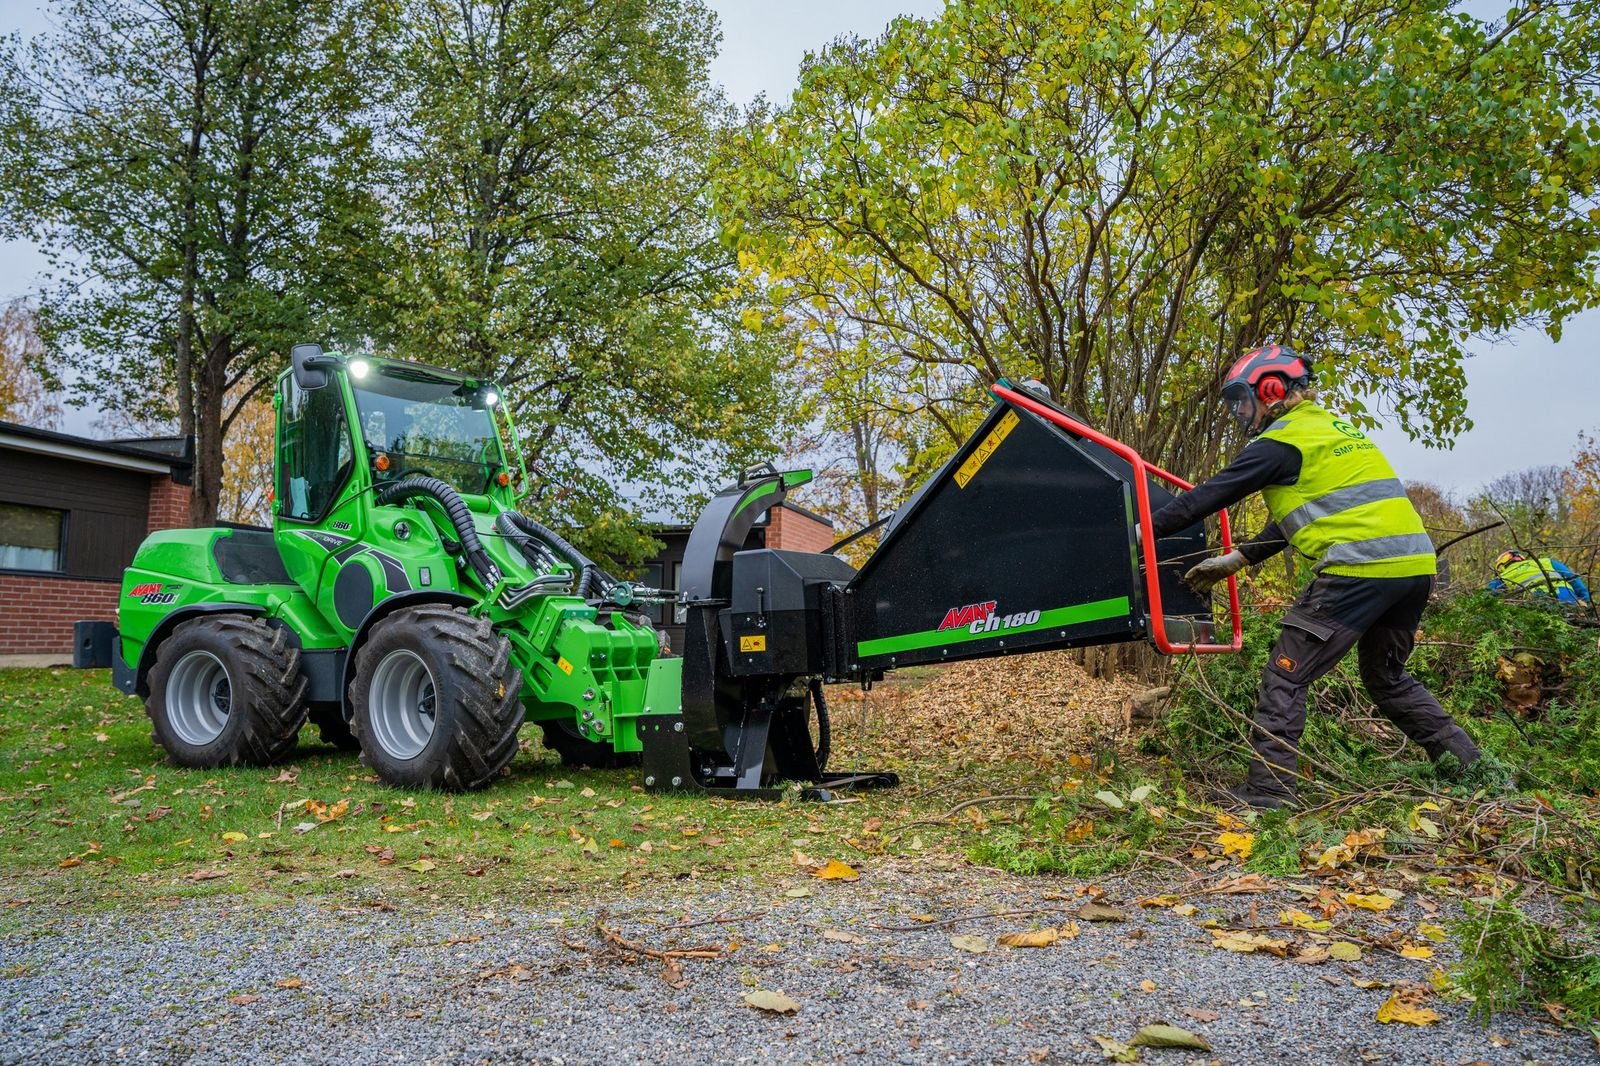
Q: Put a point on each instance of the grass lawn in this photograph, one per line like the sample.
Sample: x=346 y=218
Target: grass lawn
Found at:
x=93 y=814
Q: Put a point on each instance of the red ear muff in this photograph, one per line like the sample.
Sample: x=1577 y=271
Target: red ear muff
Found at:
x=1271 y=389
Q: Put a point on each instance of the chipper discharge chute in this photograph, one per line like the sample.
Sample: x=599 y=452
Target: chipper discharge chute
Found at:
x=404 y=604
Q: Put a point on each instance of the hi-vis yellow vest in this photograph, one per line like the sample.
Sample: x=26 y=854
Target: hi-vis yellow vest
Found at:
x=1348 y=512
x=1538 y=576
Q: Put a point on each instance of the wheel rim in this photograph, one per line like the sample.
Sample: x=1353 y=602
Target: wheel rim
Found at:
x=199 y=698
x=401 y=704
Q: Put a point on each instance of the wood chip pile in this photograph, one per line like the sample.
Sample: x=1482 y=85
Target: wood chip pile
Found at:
x=1018 y=709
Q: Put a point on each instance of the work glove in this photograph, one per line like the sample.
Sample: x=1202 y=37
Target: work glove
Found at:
x=1205 y=574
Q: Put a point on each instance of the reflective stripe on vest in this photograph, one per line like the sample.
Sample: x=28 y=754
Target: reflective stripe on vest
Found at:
x=1348 y=512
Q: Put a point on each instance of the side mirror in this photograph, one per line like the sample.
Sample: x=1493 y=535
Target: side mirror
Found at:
x=310 y=366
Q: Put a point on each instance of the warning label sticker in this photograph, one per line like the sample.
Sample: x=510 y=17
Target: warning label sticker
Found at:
x=753 y=643
x=975 y=461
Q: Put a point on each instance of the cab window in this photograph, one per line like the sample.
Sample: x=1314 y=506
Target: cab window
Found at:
x=314 y=450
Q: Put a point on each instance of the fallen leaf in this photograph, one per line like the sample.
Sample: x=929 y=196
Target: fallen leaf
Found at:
x=1240 y=844
x=344 y=874
x=242 y=1000
x=834 y=870
x=1201 y=1015
x=1116 y=1050
x=1403 y=1007
x=775 y=1002
x=843 y=937
x=1372 y=902
x=1110 y=799
x=1248 y=943
x=1032 y=938
x=1159 y=901
x=1344 y=951
x=1245 y=883
x=1099 y=912
x=1416 y=951
x=67 y=864
x=977 y=945
x=587 y=793
x=207 y=875
x=291 y=982
x=234 y=837
x=1169 y=1036
x=797 y=893
x=1301 y=920
x=422 y=866
x=1432 y=932
x=1185 y=910
x=802 y=859
x=1147 y=985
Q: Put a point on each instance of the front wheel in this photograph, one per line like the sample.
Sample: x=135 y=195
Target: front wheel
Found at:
x=226 y=690
x=436 y=700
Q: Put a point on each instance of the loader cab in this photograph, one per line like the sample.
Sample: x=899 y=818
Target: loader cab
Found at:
x=347 y=427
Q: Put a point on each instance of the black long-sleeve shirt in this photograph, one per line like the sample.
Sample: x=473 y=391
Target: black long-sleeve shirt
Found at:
x=1263 y=462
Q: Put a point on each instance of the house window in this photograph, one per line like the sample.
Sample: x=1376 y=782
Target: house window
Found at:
x=30 y=537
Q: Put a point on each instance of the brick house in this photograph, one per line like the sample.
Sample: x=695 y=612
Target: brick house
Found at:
x=72 y=513
x=786 y=526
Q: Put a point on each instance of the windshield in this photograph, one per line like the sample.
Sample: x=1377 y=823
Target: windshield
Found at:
x=427 y=424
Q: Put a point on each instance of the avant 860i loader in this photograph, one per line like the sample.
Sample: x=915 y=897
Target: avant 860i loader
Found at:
x=403 y=604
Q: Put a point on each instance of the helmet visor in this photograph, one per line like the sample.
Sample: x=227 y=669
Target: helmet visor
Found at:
x=1241 y=405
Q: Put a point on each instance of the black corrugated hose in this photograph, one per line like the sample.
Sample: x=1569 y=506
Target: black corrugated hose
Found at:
x=824 y=728
x=519 y=526
x=455 y=508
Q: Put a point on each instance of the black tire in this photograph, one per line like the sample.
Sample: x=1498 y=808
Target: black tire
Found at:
x=444 y=712
x=581 y=753
x=226 y=690
x=334 y=729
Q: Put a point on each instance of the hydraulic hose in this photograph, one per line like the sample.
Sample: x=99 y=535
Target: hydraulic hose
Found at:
x=520 y=528
x=455 y=508
x=824 y=729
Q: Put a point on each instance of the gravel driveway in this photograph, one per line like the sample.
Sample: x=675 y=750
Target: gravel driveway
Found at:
x=400 y=981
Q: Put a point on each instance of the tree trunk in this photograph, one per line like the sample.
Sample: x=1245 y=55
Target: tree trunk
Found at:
x=210 y=398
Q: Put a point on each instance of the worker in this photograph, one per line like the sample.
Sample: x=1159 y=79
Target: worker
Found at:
x=1540 y=575
x=1335 y=500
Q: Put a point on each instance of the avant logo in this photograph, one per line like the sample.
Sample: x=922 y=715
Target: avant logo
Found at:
x=1348 y=430
x=981 y=618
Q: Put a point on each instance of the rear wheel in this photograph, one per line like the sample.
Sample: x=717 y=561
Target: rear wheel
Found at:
x=579 y=752
x=226 y=690
x=436 y=699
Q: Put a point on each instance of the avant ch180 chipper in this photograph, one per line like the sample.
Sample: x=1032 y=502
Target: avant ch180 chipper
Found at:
x=403 y=604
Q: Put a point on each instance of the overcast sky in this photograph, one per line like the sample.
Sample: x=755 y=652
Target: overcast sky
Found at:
x=1530 y=398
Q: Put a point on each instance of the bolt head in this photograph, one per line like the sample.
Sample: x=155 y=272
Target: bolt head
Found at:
x=676 y=781
x=677 y=727
x=649 y=781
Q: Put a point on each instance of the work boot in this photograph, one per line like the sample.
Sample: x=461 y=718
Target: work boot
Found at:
x=1246 y=796
x=1454 y=742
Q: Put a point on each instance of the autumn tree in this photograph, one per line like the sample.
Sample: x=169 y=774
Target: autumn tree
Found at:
x=550 y=201
x=196 y=171
x=25 y=397
x=1118 y=196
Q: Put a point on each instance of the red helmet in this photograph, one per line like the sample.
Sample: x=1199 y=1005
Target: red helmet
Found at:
x=1506 y=558
x=1260 y=381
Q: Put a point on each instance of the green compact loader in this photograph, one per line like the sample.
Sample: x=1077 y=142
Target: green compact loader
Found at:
x=405 y=606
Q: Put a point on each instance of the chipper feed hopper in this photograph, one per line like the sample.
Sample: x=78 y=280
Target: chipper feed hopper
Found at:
x=402 y=603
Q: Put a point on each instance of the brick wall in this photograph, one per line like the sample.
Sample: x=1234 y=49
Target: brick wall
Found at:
x=36 y=613
x=169 y=504
x=798 y=531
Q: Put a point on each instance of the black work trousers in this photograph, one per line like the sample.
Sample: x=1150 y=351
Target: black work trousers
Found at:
x=1376 y=616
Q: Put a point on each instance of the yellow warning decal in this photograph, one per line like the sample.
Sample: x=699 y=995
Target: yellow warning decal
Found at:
x=975 y=461
x=566 y=667
x=753 y=643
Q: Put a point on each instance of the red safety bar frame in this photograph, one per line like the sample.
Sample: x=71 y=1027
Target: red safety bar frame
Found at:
x=1147 y=538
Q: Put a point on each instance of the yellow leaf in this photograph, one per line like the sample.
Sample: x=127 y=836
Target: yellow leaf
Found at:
x=422 y=866
x=1432 y=932
x=291 y=982
x=1416 y=951
x=1301 y=920
x=775 y=1002
x=1239 y=844
x=1033 y=938
x=1395 y=1009
x=977 y=945
x=834 y=870
x=234 y=837
x=1184 y=910
x=1248 y=943
x=1345 y=951
x=1228 y=821
x=1337 y=855
x=1159 y=901
x=1373 y=902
